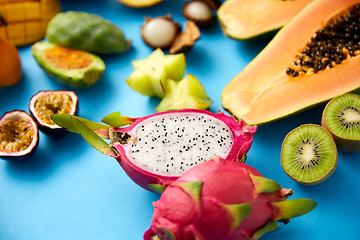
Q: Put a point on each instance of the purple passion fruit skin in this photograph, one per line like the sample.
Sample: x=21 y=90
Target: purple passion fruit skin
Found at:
x=46 y=103
x=19 y=136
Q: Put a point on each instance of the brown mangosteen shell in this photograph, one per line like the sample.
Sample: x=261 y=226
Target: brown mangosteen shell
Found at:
x=185 y=40
x=55 y=130
x=11 y=157
x=214 y=4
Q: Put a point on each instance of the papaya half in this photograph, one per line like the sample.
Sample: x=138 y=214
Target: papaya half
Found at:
x=312 y=59
x=244 y=19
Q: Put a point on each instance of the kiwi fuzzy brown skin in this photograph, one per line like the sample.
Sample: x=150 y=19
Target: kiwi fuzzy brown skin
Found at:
x=343 y=144
x=327 y=175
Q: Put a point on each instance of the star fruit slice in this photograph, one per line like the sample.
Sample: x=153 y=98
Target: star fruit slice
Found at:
x=150 y=73
x=186 y=93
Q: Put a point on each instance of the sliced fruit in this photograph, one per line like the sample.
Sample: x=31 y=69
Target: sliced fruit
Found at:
x=341 y=117
x=46 y=103
x=159 y=32
x=309 y=154
x=186 y=93
x=140 y=3
x=71 y=67
x=293 y=73
x=10 y=64
x=19 y=136
x=26 y=19
x=150 y=73
x=243 y=19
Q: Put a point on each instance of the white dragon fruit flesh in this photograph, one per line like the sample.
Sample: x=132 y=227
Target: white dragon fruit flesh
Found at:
x=155 y=150
x=222 y=200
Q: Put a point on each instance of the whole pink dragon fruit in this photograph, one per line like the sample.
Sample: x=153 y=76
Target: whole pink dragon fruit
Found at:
x=156 y=149
x=222 y=200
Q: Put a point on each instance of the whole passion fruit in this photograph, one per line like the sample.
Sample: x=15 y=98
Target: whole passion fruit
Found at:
x=46 y=103
x=19 y=135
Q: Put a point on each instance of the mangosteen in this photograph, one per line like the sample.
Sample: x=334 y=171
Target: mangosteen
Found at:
x=19 y=136
x=185 y=40
x=46 y=103
x=200 y=12
x=160 y=32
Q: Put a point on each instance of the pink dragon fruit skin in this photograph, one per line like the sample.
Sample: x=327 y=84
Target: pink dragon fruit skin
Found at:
x=222 y=200
x=242 y=140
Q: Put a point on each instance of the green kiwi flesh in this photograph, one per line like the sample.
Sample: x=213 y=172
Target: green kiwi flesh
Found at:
x=309 y=154
x=341 y=117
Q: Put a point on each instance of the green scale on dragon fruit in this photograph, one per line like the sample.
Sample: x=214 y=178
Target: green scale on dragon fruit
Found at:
x=223 y=200
x=155 y=150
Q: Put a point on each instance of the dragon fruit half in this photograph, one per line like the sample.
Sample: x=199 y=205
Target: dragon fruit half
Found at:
x=222 y=200
x=156 y=149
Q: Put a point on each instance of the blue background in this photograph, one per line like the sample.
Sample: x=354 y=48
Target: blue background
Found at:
x=68 y=190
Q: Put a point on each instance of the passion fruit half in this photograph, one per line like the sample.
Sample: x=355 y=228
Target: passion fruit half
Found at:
x=19 y=136
x=46 y=103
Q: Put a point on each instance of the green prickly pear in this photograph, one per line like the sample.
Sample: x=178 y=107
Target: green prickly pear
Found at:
x=87 y=32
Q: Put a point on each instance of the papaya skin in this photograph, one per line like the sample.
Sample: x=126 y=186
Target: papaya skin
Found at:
x=262 y=92
x=246 y=19
x=10 y=65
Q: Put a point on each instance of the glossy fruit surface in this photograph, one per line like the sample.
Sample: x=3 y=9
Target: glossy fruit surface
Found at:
x=46 y=103
x=244 y=19
x=72 y=67
x=19 y=136
x=140 y=3
x=27 y=19
x=10 y=64
x=291 y=73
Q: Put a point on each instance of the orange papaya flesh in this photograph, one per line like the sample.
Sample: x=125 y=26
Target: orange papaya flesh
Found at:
x=244 y=19
x=264 y=91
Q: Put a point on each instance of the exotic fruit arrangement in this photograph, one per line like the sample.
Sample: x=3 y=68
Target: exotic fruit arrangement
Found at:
x=155 y=150
x=221 y=199
x=326 y=45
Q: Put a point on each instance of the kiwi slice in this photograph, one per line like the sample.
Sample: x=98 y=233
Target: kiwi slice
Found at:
x=341 y=117
x=309 y=154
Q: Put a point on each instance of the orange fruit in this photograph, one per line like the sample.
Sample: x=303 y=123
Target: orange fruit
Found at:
x=140 y=3
x=10 y=64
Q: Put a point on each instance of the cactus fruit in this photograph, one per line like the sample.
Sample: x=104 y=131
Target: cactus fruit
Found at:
x=218 y=200
x=156 y=149
x=71 y=67
x=87 y=32
x=26 y=19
